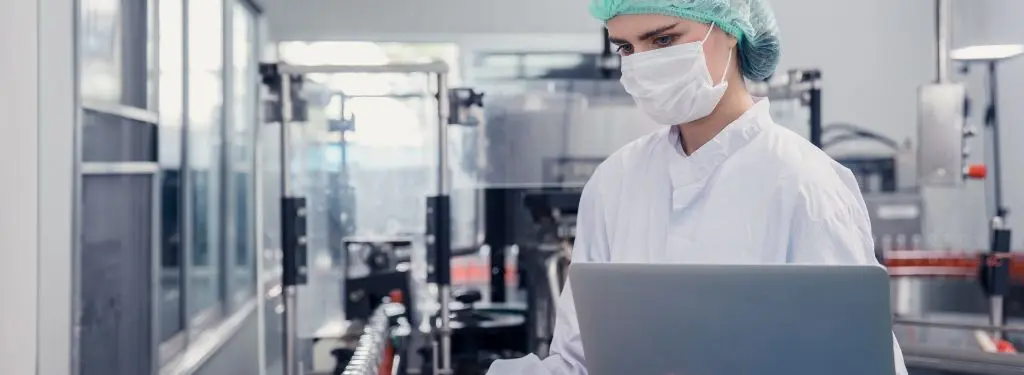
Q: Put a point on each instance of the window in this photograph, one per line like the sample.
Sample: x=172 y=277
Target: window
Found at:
x=101 y=50
x=119 y=190
x=241 y=156
x=116 y=52
x=168 y=205
x=205 y=126
x=170 y=107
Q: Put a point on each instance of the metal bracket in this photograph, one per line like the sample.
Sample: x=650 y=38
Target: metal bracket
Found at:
x=293 y=220
x=460 y=101
x=271 y=76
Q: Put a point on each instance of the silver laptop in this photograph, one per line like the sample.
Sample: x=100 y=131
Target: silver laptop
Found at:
x=653 y=319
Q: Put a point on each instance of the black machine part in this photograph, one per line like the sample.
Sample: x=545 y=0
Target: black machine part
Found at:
x=439 y=248
x=482 y=335
x=994 y=272
x=364 y=294
x=293 y=228
x=379 y=255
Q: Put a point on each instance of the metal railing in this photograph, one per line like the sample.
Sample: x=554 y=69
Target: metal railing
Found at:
x=956 y=360
x=964 y=326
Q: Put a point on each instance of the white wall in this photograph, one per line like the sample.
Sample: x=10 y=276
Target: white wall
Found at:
x=18 y=203
x=36 y=159
x=334 y=19
x=874 y=55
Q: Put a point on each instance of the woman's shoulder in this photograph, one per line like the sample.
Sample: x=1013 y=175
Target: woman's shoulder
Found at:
x=612 y=172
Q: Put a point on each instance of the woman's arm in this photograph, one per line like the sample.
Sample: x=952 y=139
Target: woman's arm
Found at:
x=830 y=225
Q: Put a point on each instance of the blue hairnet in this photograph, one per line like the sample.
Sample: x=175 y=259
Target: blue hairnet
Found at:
x=751 y=22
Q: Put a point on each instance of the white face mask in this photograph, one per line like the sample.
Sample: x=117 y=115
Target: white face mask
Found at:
x=673 y=84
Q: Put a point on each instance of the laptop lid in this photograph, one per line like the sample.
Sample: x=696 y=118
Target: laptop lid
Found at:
x=656 y=319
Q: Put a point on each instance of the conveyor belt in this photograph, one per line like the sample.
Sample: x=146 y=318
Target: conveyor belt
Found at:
x=946 y=291
x=941 y=361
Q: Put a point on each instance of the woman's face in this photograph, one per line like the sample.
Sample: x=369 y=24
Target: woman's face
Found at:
x=645 y=32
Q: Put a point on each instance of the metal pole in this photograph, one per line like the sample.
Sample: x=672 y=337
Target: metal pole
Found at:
x=993 y=123
x=443 y=188
x=443 y=244
x=996 y=318
x=943 y=29
x=814 y=104
x=289 y=295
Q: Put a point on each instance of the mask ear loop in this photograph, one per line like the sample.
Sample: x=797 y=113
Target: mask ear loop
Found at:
x=726 y=70
x=711 y=27
x=727 y=60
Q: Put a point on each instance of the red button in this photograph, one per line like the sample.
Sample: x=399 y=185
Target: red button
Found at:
x=976 y=171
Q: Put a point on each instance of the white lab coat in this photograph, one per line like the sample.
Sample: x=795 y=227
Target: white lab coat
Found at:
x=755 y=194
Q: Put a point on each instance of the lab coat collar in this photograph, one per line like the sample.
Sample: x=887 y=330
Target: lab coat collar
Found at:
x=690 y=173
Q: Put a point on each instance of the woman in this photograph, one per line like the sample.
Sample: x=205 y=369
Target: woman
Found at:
x=721 y=183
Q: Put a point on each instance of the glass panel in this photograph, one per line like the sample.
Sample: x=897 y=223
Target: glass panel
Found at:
x=101 y=50
x=241 y=142
x=170 y=107
x=135 y=68
x=110 y=138
x=386 y=163
x=116 y=275
x=205 y=106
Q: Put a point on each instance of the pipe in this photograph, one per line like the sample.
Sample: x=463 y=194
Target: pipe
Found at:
x=289 y=315
x=441 y=212
x=992 y=121
x=943 y=30
x=553 y=265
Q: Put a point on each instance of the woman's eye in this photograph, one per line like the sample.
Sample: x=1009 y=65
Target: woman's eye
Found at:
x=624 y=49
x=662 y=41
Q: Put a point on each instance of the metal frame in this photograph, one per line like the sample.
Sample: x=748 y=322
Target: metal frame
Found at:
x=912 y=322
x=140 y=115
x=156 y=252
x=119 y=168
x=224 y=204
x=442 y=346
x=260 y=30
x=433 y=67
x=185 y=180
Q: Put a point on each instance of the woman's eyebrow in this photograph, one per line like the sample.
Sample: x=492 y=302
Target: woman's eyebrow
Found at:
x=655 y=32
